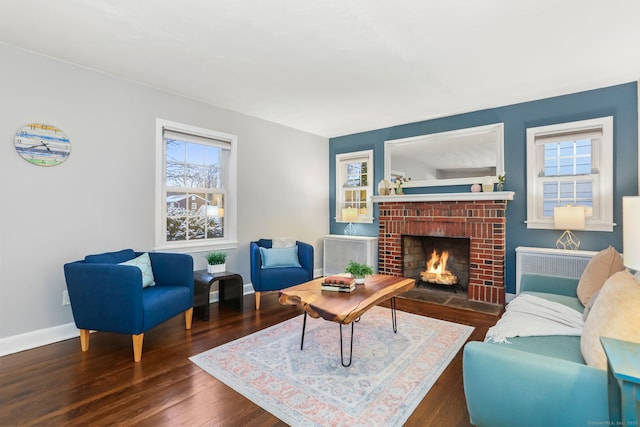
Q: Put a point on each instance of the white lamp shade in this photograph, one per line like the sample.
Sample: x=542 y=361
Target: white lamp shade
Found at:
x=568 y=217
x=631 y=231
x=349 y=214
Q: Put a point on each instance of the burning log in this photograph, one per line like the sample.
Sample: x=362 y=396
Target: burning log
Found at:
x=437 y=272
x=439 y=279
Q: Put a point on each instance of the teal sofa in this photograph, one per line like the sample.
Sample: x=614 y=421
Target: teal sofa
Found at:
x=535 y=381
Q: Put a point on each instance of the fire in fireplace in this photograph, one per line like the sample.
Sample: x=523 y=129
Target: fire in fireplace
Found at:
x=440 y=261
x=437 y=272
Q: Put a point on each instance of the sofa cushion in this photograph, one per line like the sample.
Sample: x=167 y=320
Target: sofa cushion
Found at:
x=280 y=257
x=143 y=262
x=564 y=347
x=614 y=314
x=111 y=257
x=599 y=268
x=571 y=302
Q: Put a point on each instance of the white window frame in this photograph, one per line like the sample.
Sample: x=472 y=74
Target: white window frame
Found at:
x=602 y=161
x=229 y=241
x=341 y=161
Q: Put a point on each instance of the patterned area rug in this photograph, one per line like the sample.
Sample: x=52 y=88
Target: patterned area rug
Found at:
x=388 y=378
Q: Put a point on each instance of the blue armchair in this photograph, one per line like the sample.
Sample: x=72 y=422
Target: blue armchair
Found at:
x=275 y=269
x=108 y=296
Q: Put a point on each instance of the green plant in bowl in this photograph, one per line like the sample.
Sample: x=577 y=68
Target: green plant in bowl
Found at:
x=215 y=258
x=217 y=262
x=358 y=270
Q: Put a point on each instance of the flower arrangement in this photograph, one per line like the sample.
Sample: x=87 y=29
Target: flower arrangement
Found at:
x=398 y=181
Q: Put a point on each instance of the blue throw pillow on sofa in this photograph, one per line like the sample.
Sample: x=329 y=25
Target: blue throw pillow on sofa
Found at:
x=280 y=257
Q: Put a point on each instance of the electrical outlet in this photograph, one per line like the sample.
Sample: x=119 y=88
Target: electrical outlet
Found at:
x=65 y=298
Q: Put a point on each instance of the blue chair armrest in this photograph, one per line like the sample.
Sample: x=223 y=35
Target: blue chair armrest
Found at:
x=305 y=256
x=172 y=269
x=503 y=385
x=549 y=284
x=256 y=263
x=105 y=297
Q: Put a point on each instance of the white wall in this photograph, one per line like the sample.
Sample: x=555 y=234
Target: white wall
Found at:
x=102 y=197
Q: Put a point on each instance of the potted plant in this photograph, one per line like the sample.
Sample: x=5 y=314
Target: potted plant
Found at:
x=358 y=270
x=217 y=262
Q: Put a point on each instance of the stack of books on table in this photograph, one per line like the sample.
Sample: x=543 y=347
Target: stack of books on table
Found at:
x=338 y=283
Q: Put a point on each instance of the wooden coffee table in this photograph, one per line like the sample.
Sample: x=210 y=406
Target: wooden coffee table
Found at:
x=345 y=307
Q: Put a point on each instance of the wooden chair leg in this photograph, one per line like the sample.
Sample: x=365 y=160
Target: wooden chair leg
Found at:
x=257 y=300
x=188 y=317
x=84 y=339
x=137 y=346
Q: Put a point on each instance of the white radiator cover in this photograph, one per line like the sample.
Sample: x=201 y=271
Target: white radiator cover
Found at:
x=338 y=250
x=555 y=262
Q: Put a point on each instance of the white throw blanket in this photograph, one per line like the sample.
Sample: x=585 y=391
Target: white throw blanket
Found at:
x=528 y=315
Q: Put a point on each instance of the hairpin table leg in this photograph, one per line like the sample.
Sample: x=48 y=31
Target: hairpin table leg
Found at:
x=394 y=321
x=304 y=325
x=350 y=349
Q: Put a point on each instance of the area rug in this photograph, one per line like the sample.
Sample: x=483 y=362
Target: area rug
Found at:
x=389 y=376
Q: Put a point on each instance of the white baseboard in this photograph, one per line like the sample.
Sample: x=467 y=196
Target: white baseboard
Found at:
x=34 y=339
x=29 y=340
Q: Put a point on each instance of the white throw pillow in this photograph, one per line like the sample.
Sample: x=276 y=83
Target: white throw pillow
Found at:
x=615 y=314
x=599 y=268
x=283 y=242
x=143 y=262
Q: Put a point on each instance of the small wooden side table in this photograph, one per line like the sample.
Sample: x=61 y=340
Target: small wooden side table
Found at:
x=230 y=291
x=623 y=371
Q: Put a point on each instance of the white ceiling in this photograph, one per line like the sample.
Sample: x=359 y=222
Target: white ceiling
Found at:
x=336 y=67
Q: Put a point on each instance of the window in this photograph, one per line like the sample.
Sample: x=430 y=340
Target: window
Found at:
x=354 y=187
x=196 y=181
x=571 y=164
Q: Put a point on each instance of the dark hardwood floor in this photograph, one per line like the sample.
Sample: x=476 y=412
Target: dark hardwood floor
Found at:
x=60 y=385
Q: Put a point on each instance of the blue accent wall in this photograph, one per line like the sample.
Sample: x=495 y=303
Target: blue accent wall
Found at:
x=619 y=101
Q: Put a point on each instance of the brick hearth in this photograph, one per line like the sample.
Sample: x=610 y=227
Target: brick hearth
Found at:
x=482 y=221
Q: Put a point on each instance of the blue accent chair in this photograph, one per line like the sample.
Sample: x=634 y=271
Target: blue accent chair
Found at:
x=277 y=278
x=109 y=297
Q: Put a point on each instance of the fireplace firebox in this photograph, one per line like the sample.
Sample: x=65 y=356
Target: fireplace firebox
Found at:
x=437 y=261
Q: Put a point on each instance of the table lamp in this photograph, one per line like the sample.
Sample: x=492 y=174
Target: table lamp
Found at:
x=349 y=214
x=631 y=232
x=568 y=218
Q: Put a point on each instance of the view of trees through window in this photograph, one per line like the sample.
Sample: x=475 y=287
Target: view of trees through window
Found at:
x=195 y=191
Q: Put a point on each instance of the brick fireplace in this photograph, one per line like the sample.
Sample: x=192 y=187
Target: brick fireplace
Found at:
x=479 y=218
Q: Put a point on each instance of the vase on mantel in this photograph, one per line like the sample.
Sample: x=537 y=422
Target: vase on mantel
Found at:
x=500 y=186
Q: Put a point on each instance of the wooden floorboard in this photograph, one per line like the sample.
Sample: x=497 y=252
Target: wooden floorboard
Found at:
x=58 y=384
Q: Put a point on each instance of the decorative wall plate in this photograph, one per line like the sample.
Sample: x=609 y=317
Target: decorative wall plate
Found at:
x=42 y=145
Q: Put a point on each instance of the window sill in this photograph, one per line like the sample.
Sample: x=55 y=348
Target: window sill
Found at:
x=184 y=247
x=548 y=225
x=368 y=220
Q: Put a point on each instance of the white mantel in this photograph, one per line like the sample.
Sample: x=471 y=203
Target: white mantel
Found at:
x=445 y=197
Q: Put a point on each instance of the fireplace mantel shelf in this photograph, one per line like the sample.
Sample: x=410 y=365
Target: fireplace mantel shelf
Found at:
x=445 y=197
